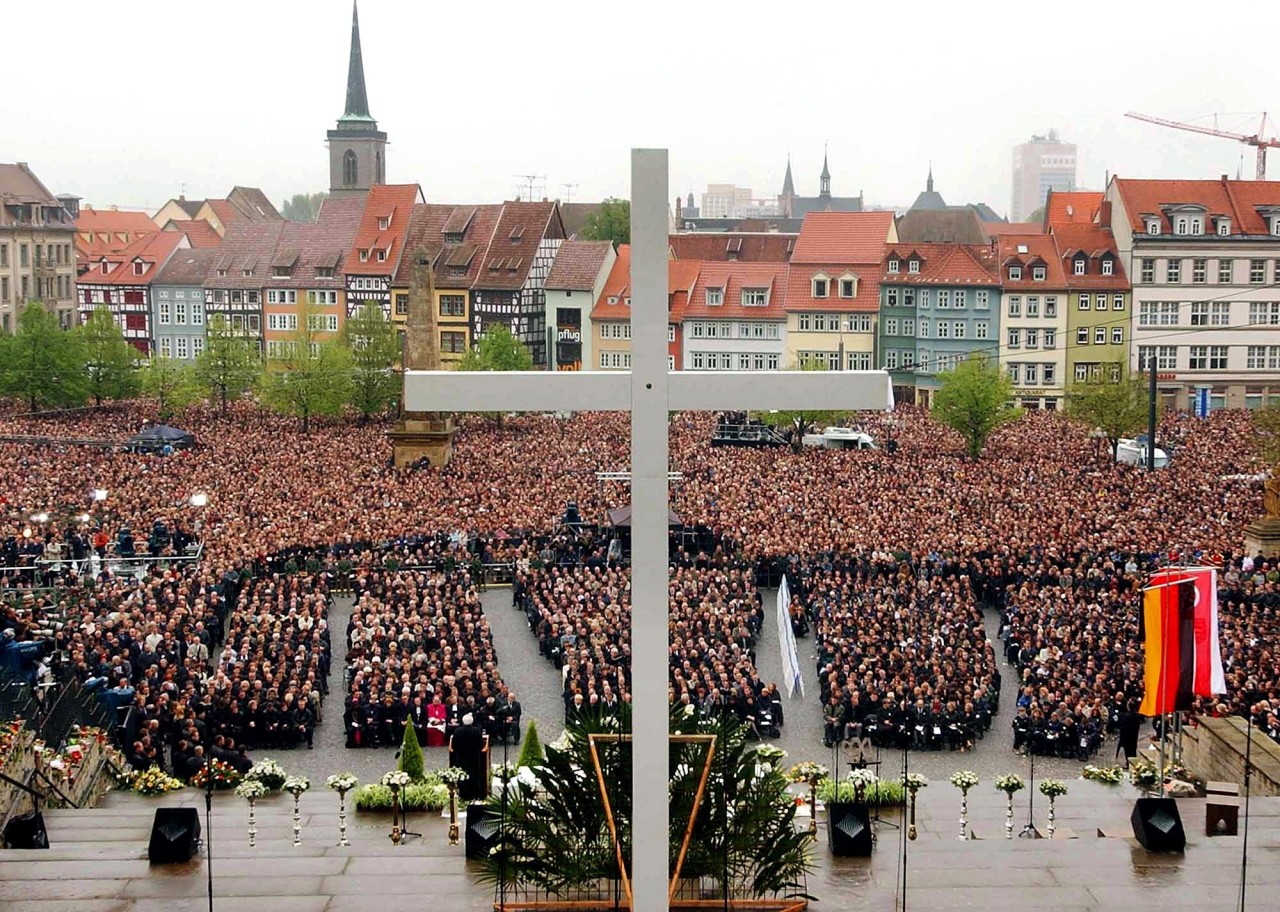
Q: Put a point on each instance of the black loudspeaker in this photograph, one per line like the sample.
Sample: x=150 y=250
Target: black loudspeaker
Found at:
x=175 y=835
x=1157 y=825
x=849 y=828
x=26 y=831
x=482 y=830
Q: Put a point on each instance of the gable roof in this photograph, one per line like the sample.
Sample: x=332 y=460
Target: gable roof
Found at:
x=1094 y=241
x=1030 y=250
x=188 y=267
x=199 y=232
x=945 y=264
x=843 y=237
x=154 y=250
x=576 y=215
x=941 y=226
x=732 y=279
x=1074 y=207
x=105 y=231
x=577 y=265
x=1237 y=200
x=747 y=247
x=617 y=286
x=385 y=201
x=246 y=246
x=309 y=246
x=252 y=205
x=514 y=243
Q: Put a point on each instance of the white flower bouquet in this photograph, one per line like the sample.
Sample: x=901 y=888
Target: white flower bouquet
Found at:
x=915 y=781
x=1053 y=788
x=452 y=775
x=296 y=785
x=1110 y=775
x=342 y=782
x=396 y=779
x=964 y=779
x=252 y=789
x=270 y=773
x=862 y=778
x=1010 y=783
x=808 y=772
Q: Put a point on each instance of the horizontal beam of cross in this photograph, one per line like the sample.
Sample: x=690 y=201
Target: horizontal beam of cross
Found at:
x=610 y=391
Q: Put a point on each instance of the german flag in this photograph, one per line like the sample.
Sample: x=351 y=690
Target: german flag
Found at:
x=1179 y=627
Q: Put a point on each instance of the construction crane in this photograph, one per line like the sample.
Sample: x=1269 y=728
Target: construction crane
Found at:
x=1257 y=140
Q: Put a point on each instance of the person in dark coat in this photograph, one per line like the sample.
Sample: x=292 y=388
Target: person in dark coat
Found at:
x=1130 y=724
x=468 y=750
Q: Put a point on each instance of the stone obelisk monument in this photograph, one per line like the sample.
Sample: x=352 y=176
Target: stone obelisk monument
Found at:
x=422 y=434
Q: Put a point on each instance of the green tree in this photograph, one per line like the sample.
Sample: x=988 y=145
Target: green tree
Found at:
x=531 y=749
x=411 y=760
x=111 y=363
x=498 y=351
x=801 y=422
x=611 y=222
x=312 y=377
x=974 y=400
x=375 y=349
x=171 y=383
x=303 y=207
x=42 y=363
x=229 y=363
x=1116 y=409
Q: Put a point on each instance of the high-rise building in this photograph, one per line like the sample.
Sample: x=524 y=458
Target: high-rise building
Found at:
x=357 y=148
x=1043 y=164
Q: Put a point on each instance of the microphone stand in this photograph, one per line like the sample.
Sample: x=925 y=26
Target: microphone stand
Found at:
x=1029 y=831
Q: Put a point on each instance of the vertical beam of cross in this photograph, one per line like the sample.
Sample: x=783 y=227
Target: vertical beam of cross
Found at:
x=649 y=713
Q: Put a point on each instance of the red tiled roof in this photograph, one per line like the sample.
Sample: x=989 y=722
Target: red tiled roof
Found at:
x=247 y=246
x=1236 y=199
x=199 y=232
x=322 y=243
x=577 y=265
x=800 y=288
x=618 y=287
x=944 y=264
x=385 y=201
x=188 y=267
x=995 y=230
x=153 y=251
x=226 y=213
x=682 y=278
x=1094 y=241
x=741 y=246
x=843 y=237
x=426 y=225
x=1027 y=250
x=514 y=243
x=1077 y=207
x=102 y=232
x=732 y=278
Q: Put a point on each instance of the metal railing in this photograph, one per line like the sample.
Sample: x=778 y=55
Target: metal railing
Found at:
x=135 y=565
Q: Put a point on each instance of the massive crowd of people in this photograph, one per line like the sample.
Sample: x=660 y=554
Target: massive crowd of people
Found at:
x=894 y=558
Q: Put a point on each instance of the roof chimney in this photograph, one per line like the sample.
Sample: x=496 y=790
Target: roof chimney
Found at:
x=677 y=210
x=1104 y=214
x=1225 y=178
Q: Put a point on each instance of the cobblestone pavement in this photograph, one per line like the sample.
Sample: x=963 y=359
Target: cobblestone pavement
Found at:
x=537 y=684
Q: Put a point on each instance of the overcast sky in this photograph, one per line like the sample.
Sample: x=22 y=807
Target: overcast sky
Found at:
x=124 y=103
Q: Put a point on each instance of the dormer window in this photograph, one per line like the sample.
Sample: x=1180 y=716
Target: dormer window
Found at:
x=222 y=273
x=1275 y=224
x=893 y=266
x=324 y=272
x=913 y=266
x=1038 y=273
x=1015 y=273
x=1153 y=226
x=1224 y=226
x=848 y=288
x=1078 y=266
x=364 y=256
x=1181 y=226
x=384 y=223
x=1108 y=267
x=820 y=286
x=106 y=267
x=246 y=273
x=516 y=234
x=613 y=299
x=715 y=297
x=139 y=267
x=382 y=256
x=280 y=272
x=755 y=297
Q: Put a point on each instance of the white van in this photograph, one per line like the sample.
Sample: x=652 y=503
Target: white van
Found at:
x=843 y=438
x=1133 y=452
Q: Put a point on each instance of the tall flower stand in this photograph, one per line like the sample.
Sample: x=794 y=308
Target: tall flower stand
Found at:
x=342 y=783
x=1010 y=784
x=913 y=783
x=813 y=809
x=1051 y=789
x=1008 y=816
x=911 y=824
x=964 y=814
x=252 y=790
x=453 y=814
x=253 y=824
x=1051 y=826
x=396 y=831
x=295 y=786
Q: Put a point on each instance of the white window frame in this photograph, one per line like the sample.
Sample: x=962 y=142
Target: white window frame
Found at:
x=165 y=318
x=1108 y=267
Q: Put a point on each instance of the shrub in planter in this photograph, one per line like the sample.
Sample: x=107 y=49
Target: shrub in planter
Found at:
x=425 y=796
x=884 y=793
x=531 y=749
x=411 y=760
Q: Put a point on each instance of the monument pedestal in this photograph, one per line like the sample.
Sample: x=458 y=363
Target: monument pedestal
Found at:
x=415 y=437
x=1262 y=535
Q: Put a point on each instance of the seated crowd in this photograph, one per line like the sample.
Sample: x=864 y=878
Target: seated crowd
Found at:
x=893 y=557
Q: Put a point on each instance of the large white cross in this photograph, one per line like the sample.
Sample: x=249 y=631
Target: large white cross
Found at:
x=649 y=392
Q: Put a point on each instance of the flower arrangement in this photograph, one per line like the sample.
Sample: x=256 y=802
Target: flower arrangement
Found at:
x=1111 y=775
x=342 y=782
x=1053 y=788
x=252 y=789
x=769 y=753
x=396 y=779
x=1010 y=783
x=964 y=779
x=1144 y=774
x=808 y=772
x=270 y=773
x=452 y=775
x=225 y=776
x=415 y=797
x=883 y=793
x=155 y=781
x=296 y=785
x=915 y=781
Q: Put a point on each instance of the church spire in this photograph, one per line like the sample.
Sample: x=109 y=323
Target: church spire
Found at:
x=788 y=185
x=929 y=183
x=357 y=100
x=824 y=180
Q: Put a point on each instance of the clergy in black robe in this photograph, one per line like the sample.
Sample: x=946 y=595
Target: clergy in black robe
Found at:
x=468 y=750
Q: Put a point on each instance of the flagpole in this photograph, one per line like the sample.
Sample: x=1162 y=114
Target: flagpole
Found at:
x=1244 y=847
